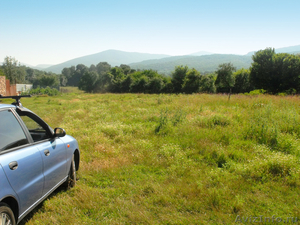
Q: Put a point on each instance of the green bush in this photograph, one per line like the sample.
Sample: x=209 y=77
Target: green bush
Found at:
x=256 y=92
x=43 y=91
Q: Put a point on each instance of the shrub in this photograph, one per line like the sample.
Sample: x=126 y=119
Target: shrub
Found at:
x=256 y=92
x=168 y=119
x=271 y=166
x=213 y=121
x=43 y=91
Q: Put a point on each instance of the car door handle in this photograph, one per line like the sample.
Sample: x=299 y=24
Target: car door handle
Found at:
x=13 y=165
x=47 y=152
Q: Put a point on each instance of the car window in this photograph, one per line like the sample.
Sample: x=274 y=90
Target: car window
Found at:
x=36 y=130
x=11 y=132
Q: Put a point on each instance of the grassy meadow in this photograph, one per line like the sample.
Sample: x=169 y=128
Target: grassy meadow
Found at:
x=176 y=159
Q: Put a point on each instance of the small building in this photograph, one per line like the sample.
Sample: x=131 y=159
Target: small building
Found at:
x=2 y=85
x=23 y=87
x=7 y=89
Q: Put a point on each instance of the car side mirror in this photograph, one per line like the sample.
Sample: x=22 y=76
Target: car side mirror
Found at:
x=59 y=132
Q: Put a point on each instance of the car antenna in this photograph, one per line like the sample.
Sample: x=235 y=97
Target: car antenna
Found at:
x=17 y=98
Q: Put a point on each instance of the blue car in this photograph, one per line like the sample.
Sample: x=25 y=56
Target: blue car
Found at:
x=34 y=160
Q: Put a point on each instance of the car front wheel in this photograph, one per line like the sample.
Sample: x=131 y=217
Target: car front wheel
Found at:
x=6 y=215
x=71 y=180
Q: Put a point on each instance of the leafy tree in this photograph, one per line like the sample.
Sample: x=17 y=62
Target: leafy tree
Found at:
x=242 y=81
x=126 y=69
x=126 y=84
x=21 y=74
x=46 y=81
x=88 y=81
x=191 y=82
x=150 y=73
x=1 y=72
x=155 y=85
x=168 y=86
x=105 y=80
x=153 y=81
x=262 y=69
x=117 y=78
x=105 y=83
x=146 y=81
x=11 y=71
x=225 y=78
x=275 y=72
x=63 y=80
x=178 y=77
x=103 y=68
x=291 y=73
x=76 y=75
x=30 y=75
x=139 y=85
x=277 y=77
x=207 y=84
x=68 y=72
x=93 y=68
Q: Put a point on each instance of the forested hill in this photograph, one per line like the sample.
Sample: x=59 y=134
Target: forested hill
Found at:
x=291 y=50
x=205 y=63
x=202 y=61
x=113 y=57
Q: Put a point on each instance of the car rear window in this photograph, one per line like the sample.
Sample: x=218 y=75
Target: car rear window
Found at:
x=11 y=132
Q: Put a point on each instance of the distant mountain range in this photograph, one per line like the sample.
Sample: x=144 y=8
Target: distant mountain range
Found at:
x=202 y=53
x=202 y=61
x=113 y=57
x=42 y=66
x=38 y=67
x=291 y=50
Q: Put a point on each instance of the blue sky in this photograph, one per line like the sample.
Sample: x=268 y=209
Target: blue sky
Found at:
x=52 y=31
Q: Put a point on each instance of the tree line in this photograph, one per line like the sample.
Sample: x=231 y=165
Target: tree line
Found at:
x=275 y=73
x=123 y=79
x=20 y=74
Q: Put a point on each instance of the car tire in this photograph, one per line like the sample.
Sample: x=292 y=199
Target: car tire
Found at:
x=6 y=215
x=71 y=180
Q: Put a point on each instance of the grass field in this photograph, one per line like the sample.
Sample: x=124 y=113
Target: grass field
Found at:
x=176 y=159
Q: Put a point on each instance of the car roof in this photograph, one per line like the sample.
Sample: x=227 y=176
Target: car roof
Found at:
x=7 y=106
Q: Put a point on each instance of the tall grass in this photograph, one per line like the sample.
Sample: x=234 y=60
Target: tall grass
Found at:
x=175 y=159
